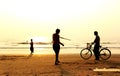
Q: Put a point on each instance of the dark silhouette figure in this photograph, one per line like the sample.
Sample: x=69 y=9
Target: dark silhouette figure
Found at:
x=31 y=46
x=56 y=45
x=96 y=45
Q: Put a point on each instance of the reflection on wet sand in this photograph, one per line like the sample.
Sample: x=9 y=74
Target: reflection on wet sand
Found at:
x=107 y=70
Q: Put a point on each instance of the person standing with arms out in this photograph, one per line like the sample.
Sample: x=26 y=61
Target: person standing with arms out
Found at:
x=56 y=45
x=31 y=46
x=96 y=45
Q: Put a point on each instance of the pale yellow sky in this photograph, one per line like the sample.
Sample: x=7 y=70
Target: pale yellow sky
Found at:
x=77 y=19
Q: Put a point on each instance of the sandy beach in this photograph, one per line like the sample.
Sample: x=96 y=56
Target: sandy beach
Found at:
x=43 y=65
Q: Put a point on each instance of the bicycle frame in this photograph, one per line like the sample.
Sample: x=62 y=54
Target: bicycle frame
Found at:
x=89 y=46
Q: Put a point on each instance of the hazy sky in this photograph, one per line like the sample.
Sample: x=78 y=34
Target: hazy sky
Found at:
x=78 y=19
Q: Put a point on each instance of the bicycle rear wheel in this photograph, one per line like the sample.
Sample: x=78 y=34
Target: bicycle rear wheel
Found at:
x=105 y=53
x=85 y=53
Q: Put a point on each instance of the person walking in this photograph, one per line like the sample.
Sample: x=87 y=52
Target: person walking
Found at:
x=96 y=45
x=56 y=45
x=31 y=46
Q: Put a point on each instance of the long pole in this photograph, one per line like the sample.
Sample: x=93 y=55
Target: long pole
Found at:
x=65 y=38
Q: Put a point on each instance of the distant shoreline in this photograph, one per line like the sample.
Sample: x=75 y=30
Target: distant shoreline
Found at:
x=47 y=47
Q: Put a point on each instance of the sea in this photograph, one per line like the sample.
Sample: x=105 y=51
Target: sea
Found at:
x=16 y=49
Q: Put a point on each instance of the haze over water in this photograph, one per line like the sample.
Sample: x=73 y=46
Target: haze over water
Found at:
x=47 y=49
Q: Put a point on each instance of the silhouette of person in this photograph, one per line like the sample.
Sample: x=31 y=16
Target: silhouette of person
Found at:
x=31 y=46
x=96 y=45
x=56 y=45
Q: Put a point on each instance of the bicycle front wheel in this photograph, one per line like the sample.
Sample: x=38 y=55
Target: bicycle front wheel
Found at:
x=105 y=53
x=85 y=53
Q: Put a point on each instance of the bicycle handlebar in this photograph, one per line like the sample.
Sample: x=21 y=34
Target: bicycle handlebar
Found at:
x=89 y=45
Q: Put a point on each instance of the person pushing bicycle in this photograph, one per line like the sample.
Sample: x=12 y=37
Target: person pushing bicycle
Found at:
x=96 y=45
x=99 y=52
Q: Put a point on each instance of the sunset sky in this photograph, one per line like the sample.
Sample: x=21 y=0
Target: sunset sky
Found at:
x=21 y=20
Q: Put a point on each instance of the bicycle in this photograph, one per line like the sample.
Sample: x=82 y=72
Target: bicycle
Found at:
x=86 y=53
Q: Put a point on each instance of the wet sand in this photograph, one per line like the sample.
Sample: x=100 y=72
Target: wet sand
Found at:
x=43 y=65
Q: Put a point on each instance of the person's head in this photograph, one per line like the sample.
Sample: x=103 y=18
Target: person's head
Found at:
x=31 y=40
x=95 y=33
x=57 y=31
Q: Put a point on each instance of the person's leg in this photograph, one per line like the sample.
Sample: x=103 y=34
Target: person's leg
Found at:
x=56 y=57
x=96 y=53
x=57 y=54
x=31 y=49
x=56 y=50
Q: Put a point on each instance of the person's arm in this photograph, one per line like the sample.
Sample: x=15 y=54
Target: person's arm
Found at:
x=62 y=44
x=94 y=41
